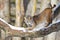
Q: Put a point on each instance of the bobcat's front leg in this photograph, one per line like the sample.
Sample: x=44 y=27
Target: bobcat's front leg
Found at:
x=30 y=28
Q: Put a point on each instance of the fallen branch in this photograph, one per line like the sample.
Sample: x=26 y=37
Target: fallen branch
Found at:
x=22 y=32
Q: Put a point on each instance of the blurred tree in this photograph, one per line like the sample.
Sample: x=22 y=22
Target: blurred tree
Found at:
x=4 y=13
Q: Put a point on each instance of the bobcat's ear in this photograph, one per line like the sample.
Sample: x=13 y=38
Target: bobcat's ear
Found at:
x=25 y=18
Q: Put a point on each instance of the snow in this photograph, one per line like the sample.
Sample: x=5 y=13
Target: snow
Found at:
x=13 y=27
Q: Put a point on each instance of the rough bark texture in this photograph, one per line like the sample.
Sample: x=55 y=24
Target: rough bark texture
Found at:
x=18 y=17
x=19 y=33
x=39 y=35
x=4 y=13
x=19 y=13
x=31 y=7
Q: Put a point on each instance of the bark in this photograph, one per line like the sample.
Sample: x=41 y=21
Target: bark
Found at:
x=20 y=33
x=4 y=13
x=19 y=14
x=31 y=8
x=22 y=17
x=34 y=8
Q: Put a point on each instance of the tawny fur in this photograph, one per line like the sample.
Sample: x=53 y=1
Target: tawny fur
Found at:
x=45 y=16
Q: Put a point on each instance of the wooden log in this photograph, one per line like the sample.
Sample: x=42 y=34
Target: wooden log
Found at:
x=42 y=32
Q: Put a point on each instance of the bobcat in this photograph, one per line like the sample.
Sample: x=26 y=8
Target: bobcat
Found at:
x=44 y=17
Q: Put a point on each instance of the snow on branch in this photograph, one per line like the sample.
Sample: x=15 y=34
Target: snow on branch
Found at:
x=22 y=32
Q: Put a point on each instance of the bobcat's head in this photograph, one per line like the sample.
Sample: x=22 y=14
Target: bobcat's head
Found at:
x=29 y=21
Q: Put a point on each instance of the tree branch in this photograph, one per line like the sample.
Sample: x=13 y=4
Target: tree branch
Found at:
x=22 y=32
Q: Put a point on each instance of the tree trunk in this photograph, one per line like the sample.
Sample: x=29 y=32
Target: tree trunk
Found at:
x=31 y=8
x=17 y=21
x=4 y=13
x=34 y=8
x=19 y=15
